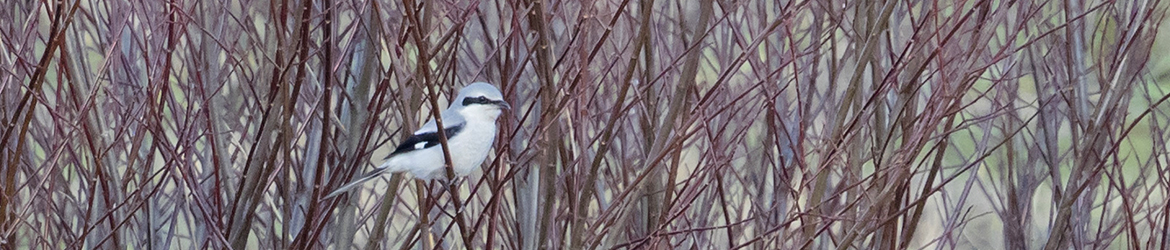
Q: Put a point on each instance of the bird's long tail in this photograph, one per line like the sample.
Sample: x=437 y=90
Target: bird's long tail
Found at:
x=364 y=178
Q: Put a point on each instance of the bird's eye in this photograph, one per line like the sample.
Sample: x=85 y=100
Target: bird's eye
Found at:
x=475 y=100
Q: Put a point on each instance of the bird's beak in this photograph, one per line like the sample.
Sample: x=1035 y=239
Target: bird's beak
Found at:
x=504 y=105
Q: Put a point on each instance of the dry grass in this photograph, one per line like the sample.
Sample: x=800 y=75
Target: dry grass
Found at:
x=803 y=124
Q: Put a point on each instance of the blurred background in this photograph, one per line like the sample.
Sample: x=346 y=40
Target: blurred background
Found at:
x=637 y=124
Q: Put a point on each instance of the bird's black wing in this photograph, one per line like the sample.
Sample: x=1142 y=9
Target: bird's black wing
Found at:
x=425 y=140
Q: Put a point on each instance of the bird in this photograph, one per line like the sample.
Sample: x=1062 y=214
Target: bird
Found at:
x=470 y=126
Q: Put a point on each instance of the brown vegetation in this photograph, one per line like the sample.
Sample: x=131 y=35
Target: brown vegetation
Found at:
x=669 y=124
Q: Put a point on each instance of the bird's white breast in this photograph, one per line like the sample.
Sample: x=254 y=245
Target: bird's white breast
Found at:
x=472 y=146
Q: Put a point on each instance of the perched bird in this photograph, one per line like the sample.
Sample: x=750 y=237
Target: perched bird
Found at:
x=470 y=126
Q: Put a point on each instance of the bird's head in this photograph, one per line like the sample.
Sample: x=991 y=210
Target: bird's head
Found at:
x=481 y=100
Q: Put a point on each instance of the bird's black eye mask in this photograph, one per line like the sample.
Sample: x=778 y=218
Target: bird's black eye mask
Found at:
x=467 y=101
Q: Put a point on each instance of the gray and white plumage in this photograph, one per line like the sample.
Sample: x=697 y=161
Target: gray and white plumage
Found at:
x=470 y=126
